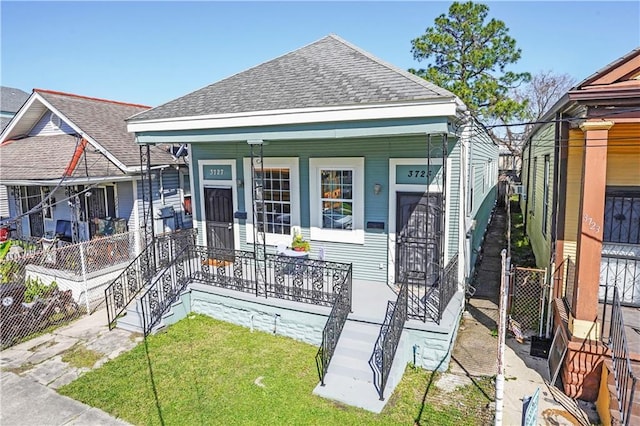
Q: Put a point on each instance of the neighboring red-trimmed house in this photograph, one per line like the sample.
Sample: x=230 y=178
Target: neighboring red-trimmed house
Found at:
x=72 y=169
x=581 y=175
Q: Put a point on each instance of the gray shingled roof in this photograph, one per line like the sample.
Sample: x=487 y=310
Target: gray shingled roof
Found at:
x=329 y=72
x=3 y=122
x=104 y=121
x=11 y=99
x=27 y=159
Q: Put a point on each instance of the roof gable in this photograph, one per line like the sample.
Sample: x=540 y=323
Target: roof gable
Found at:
x=623 y=71
x=327 y=73
x=101 y=122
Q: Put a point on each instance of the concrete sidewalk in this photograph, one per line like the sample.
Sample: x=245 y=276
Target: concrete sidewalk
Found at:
x=25 y=403
x=475 y=351
x=32 y=370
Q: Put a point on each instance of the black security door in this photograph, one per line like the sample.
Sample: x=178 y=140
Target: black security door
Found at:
x=36 y=221
x=218 y=210
x=418 y=240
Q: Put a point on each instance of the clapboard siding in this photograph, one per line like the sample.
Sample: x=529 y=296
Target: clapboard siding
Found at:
x=542 y=145
x=170 y=197
x=623 y=155
x=45 y=126
x=483 y=176
x=367 y=258
x=125 y=208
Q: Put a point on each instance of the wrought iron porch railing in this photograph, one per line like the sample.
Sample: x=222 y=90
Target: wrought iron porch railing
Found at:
x=449 y=285
x=625 y=380
x=429 y=303
x=384 y=350
x=126 y=286
x=232 y=269
x=335 y=323
x=622 y=271
x=316 y=282
x=166 y=289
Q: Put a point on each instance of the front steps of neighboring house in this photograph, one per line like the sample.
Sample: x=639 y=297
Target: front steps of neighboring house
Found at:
x=608 y=401
x=349 y=378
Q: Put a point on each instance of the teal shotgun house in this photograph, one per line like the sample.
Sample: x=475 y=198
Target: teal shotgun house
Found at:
x=375 y=167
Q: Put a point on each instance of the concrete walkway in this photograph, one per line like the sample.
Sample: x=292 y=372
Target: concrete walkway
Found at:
x=476 y=348
x=31 y=371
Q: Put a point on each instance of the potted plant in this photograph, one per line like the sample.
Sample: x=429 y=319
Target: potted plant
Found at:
x=299 y=243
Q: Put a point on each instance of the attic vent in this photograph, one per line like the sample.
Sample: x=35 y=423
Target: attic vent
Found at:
x=55 y=120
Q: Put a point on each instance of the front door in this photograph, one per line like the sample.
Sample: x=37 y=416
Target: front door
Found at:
x=218 y=210
x=418 y=238
x=36 y=221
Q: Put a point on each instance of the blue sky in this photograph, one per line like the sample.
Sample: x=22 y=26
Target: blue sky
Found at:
x=152 y=52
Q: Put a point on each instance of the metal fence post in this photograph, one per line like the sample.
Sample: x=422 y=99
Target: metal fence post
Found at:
x=83 y=264
x=502 y=324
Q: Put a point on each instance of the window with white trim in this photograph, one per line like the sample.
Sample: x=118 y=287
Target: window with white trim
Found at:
x=276 y=197
x=281 y=197
x=336 y=195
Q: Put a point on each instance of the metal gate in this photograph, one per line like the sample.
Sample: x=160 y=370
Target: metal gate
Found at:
x=529 y=299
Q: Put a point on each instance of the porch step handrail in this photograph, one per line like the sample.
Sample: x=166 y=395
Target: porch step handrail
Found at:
x=342 y=306
x=384 y=350
x=156 y=300
x=126 y=286
x=448 y=286
x=625 y=379
x=139 y=273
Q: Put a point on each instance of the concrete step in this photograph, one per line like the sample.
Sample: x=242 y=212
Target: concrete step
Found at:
x=350 y=391
x=351 y=367
x=349 y=377
x=132 y=320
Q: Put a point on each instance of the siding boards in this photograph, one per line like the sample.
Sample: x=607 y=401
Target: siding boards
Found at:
x=483 y=178
x=377 y=152
x=574 y=184
x=542 y=144
x=124 y=191
x=44 y=127
x=623 y=155
x=170 y=182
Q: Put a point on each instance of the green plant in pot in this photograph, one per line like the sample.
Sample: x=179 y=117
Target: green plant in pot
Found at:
x=299 y=243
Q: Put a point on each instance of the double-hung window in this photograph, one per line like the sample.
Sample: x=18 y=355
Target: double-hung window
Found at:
x=336 y=191
x=277 y=201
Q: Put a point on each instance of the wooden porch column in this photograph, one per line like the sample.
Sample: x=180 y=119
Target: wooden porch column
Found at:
x=589 y=245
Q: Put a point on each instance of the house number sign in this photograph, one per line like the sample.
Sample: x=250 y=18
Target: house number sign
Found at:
x=416 y=174
x=217 y=172
x=592 y=224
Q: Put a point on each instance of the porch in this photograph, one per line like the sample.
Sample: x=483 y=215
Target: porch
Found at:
x=366 y=331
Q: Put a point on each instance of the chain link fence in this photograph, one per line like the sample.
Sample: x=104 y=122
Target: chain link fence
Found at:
x=528 y=299
x=48 y=282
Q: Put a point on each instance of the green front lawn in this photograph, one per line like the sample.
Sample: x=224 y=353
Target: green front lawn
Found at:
x=203 y=371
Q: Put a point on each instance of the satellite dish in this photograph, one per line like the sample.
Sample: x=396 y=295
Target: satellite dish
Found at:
x=181 y=151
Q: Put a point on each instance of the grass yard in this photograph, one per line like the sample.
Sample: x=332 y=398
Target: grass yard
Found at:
x=203 y=371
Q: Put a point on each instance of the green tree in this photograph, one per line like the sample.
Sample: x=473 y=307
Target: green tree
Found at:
x=469 y=57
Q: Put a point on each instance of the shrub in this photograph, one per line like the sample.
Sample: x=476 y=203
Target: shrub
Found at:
x=36 y=288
